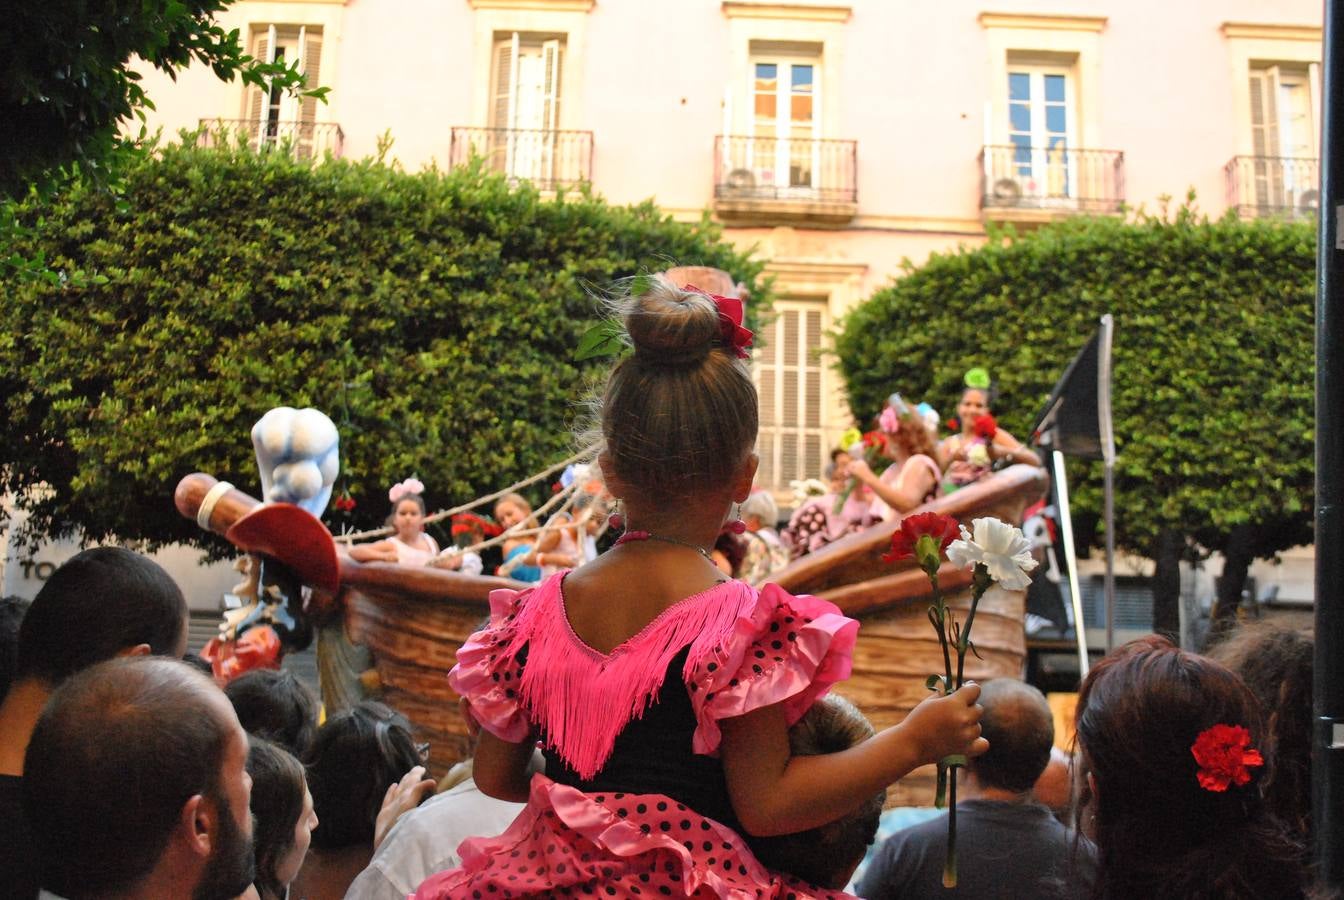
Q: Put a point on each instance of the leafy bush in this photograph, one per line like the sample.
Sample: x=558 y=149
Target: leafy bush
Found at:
x=433 y=316
x=1212 y=368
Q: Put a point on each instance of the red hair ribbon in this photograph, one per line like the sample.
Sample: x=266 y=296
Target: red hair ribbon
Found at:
x=731 y=329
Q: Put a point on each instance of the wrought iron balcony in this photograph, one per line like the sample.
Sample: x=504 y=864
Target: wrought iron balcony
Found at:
x=1269 y=186
x=548 y=159
x=1050 y=180
x=785 y=178
x=303 y=139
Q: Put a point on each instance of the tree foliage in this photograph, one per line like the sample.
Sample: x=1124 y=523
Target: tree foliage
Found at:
x=67 y=85
x=1212 y=368
x=433 y=316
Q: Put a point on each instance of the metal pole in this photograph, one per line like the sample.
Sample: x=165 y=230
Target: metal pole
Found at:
x=1106 y=435
x=1071 y=559
x=1327 y=751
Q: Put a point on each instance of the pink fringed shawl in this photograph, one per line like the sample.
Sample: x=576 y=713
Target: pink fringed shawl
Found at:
x=585 y=698
x=747 y=650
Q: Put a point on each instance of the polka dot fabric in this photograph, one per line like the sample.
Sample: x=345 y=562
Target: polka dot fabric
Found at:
x=488 y=676
x=570 y=844
x=785 y=649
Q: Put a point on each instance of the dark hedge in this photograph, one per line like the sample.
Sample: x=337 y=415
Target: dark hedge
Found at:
x=433 y=316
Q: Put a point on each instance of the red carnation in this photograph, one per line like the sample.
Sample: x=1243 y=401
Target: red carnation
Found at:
x=875 y=440
x=1225 y=757
x=986 y=427
x=923 y=538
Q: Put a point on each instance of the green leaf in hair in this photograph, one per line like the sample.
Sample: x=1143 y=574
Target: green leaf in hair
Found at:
x=603 y=339
x=977 y=378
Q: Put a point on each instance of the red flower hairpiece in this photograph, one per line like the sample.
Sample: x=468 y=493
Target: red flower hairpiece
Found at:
x=1225 y=757
x=731 y=312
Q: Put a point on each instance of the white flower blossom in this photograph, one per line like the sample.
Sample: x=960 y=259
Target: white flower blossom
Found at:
x=1002 y=548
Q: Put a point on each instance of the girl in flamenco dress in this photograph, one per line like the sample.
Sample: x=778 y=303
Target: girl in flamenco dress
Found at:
x=662 y=691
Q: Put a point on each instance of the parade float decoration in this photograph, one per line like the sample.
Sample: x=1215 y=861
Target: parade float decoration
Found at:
x=392 y=632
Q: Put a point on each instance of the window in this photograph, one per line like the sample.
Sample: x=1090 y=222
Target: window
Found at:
x=1041 y=130
x=275 y=116
x=789 y=377
x=1283 y=135
x=525 y=114
x=784 y=122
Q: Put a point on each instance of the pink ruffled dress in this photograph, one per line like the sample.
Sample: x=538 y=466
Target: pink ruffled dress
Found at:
x=633 y=802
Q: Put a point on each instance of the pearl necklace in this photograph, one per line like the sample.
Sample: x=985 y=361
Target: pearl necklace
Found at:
x=630 y=536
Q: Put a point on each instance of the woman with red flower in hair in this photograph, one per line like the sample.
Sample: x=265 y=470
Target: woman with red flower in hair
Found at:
x=1174 y=753
x=972 y=453
x=912 y=478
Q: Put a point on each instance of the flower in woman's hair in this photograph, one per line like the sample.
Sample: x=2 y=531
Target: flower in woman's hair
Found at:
x=1225 y=757
x=407 y=488
x=922 y=538
x=1001 y=548
x=986 y=427
x=888 y=421
x=953 y=424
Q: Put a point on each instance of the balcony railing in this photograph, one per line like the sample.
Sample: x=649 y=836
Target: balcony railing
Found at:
x=785 y=169
x=548 y=159
x=1053 y=179
x=1266 y=186
x=304 y=139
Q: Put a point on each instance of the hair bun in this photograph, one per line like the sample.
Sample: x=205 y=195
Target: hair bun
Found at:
x=671 y=327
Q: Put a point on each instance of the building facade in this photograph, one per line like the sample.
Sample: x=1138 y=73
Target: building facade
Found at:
x=839 y=139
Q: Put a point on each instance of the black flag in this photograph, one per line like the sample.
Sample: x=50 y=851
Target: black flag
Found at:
x=1076 y=419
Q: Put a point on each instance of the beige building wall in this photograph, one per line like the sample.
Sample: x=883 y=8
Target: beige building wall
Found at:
x=919 y=88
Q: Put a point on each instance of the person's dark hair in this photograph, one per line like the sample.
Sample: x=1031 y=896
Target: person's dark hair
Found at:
x=1159 y=833
x=733 y=548
x=359 y=752
x=417 y=498
x=1020 y=728
x=11 y=615
x=1277 y=664
x=200 y=664
x=825 y=856
x=680 y=413
x=118 y=751
x=118 y=599
x=273 y=704
x=278 y=787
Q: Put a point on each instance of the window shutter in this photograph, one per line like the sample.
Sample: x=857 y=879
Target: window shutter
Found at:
x=551 y=53
x=1265 y=137
x=256 y=97
x=310 y=58
x=506 y=78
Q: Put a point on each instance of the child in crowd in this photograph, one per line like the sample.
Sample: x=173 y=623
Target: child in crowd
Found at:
x=410 y=546
x=661 y=690
x=469 y=530
x=282 y=818
x=514 y=510
x=971 y=453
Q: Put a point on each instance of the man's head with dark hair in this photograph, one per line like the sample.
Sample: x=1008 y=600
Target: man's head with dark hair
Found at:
x=99 y=604
x=135 y=773
x=1020 y=728
x=275 y=705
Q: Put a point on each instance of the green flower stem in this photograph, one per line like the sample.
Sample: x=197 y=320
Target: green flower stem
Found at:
x=981 y=584
x=950 y=861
